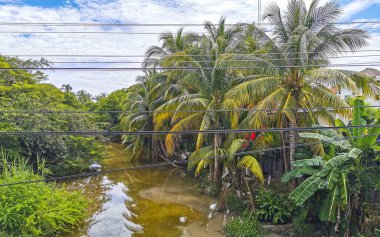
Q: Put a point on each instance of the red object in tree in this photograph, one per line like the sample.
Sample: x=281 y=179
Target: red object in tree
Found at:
x=253 y=136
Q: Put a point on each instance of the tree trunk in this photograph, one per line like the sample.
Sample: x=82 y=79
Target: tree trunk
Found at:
x=218 y=168
x=284 y=154
x=292 y=143
x=153 y=149
x=292 y=149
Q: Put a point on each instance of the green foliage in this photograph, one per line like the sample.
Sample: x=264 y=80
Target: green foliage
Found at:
x=36 y=209
x=235 y=204
x=300 y=228
x=59 y=151
x=273 y=207
x=247 y=226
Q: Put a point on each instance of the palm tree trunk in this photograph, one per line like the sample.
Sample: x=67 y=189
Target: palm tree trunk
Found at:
x=284 y=154
x=292 y=149
x=217 y=164
x=292 y=143
x=153 y=150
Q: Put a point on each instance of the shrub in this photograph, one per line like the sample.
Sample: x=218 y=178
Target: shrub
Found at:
x=273 y=207
x=36 y=209
x=235 y=204
x=248 y=226
x=300 y=227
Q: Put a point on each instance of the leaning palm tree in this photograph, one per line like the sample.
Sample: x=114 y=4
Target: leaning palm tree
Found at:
x=171 y=43
x=207 y=84
x=143 y=97
x=293 y=72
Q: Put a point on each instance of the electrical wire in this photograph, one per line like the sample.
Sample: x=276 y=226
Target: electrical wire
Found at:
x=183 y=68
x=90 y=174
x=202 y=61
x=152 y=24
x=182 y=111
x=190 y=55
x=185 y=132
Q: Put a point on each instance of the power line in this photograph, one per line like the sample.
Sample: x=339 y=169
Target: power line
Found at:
x=154 y=24
x=369 y=64
x=182 y=111
x=202 y=61
x=84 y=175
x=189 y=55
x=92 y=32
x=220 y=131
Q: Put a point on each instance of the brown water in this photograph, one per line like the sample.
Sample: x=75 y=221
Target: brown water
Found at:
x=148 y=202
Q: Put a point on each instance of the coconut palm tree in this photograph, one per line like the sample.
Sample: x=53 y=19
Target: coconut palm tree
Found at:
x=207 y=82
x=145 y=96
x=293 y=72
x=171 y=43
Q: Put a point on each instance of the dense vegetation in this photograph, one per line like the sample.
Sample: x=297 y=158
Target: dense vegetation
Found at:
x=20 y=96
x=231 y=77
x=241 y=77
x=36 y=209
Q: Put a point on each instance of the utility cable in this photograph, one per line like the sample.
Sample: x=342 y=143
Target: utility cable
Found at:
x=90 y=174
x=219 y=131
x=182 y=111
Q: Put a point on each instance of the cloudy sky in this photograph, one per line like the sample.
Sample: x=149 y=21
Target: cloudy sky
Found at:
x=132 y=11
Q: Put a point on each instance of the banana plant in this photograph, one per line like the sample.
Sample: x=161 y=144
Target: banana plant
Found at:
x=342 y=176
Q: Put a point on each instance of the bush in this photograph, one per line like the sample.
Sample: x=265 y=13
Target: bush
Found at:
x=300 y=227
x=235 y=204
x=248 y=226
x=36 y=209
x=273 y=207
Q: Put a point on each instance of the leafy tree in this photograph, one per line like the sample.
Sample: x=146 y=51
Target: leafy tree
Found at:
x=344 y=174
x=209 y=82
x=145 y=96
x=293 y=73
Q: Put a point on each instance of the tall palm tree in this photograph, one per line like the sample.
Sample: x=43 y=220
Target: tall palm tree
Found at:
x=208 y=82
x=293 y=73
x=145 y=96
x=171 y=43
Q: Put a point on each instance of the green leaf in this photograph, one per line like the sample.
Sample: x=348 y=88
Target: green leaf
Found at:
x=298 y=173
x=330 y=205
x=305 y=190
x=253 y=165
x=333 y=178
x=336 y=140
x=317 y=161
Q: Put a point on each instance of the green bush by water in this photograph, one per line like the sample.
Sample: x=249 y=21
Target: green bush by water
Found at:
x=273 y=207
x=247 y=226
x=235 y=204
x=36 y=209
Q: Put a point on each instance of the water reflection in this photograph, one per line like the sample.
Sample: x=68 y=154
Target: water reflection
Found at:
x=145 y=202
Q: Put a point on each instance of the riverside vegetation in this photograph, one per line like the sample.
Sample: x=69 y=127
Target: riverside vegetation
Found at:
x=231 y=77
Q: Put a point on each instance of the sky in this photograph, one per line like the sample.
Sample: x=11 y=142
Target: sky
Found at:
x=133 y=11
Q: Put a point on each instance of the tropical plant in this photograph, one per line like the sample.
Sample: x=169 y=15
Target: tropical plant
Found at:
x=145 y=96
x=210 y=82
x=293 y=72
x=344 y=173
x=273 y=207
x=36 y=209
x=247 y=226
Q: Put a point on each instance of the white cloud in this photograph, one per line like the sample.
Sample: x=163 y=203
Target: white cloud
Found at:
x=130 y=11
x=356 y=6
x=125 y=11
